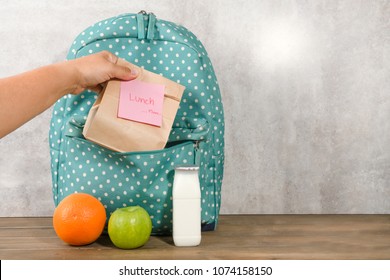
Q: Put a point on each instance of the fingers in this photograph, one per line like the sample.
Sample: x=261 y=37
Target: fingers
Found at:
x=93 y=71
x=119 y=71
x=124 y=73
x=109 y=56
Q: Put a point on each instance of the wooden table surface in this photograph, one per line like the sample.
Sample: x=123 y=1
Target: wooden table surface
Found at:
x=300 y=237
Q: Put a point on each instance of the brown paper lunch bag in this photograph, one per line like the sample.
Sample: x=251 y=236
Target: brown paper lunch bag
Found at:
x=105 y=128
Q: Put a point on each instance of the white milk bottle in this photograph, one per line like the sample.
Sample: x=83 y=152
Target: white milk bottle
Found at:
x=186 y=206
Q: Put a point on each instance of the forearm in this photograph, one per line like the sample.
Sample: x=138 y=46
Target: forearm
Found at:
x=25 y=96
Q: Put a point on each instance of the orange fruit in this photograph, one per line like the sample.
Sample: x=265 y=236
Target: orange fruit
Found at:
x=79 y=219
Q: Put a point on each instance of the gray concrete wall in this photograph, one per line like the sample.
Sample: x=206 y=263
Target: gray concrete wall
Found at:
x=306 y=88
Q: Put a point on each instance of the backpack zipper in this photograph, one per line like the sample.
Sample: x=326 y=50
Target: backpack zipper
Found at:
x=141 y=25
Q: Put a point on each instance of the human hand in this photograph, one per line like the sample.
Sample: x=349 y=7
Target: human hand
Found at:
x=26 y=95
x=91 y=72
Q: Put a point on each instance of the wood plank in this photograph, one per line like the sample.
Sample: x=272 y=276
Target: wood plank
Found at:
x=237 y=237
x=7 y=222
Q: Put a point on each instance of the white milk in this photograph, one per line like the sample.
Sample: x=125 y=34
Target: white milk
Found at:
x=186 y=206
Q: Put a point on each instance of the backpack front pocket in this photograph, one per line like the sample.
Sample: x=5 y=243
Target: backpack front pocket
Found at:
x=123 y=179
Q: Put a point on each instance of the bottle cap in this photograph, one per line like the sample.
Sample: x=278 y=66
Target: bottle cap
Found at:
x=187 y=167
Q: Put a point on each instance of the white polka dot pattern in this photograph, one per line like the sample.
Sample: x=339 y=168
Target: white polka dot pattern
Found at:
x=144 y=178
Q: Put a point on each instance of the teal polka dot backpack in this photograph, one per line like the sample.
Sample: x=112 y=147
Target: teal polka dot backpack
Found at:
x=144 y=178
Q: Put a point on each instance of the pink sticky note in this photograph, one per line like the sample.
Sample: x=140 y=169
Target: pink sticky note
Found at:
x=141 y=102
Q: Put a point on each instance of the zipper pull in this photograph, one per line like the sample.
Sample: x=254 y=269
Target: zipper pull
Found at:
x=197 y=152
x=152 y=23
x=140 y=24
x=196 y=145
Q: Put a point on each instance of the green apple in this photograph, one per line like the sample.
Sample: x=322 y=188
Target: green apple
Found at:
x=129 y=227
